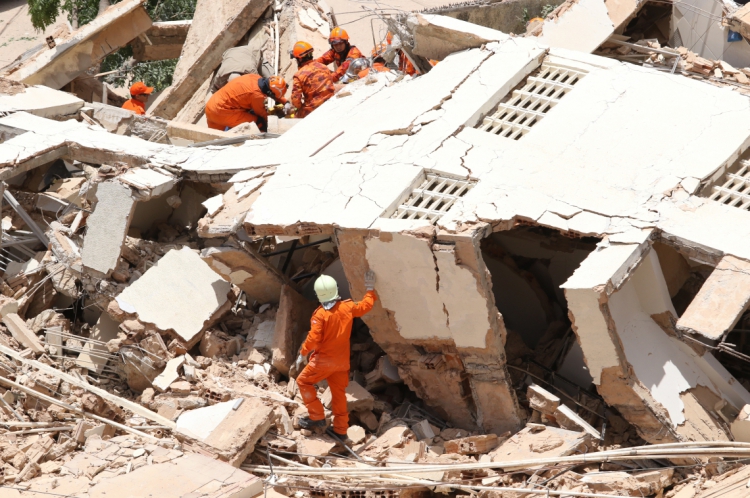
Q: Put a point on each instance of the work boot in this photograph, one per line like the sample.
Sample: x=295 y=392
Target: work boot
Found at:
x=316 y=426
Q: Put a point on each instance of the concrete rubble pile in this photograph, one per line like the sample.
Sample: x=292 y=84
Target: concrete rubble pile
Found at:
x=561 y=298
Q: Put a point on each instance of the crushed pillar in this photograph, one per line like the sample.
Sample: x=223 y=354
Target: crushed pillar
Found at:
x=162 y=41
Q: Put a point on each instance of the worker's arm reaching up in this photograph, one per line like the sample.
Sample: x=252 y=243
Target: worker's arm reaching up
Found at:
x=365 y=305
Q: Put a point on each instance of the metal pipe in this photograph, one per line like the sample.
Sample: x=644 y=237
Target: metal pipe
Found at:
x=25 y=216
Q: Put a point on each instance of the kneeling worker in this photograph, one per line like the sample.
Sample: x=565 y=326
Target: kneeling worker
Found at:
x=243 y=100
x=327 y=344
x=139 y=94
x=313 y=82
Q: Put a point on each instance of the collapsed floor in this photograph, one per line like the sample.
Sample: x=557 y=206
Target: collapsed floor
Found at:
x=544 y=326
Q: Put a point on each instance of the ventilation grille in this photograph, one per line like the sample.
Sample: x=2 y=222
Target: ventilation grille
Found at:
x=433 y=198
x=527 y=106
x=735 y=191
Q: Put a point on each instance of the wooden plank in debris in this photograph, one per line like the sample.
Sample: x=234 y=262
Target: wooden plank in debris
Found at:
x=121 y=402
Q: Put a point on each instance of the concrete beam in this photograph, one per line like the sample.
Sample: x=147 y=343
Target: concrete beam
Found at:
x=162 y=41
x=83 y=48
x=216 y=28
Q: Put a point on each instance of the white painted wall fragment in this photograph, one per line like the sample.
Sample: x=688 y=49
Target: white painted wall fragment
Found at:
x=107 y=226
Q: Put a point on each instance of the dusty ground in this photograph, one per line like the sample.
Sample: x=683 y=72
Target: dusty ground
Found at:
x=17 y=35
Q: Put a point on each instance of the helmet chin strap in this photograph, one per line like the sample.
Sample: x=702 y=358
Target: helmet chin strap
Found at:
x=330 y=304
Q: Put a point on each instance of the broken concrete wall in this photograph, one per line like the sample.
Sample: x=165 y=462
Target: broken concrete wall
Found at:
x=671 y=392
x=693 y=26
x=583 y=25
x=447 y=343
x=216 y=27
x=436 y=37
x=292 y=324
x=88 y=45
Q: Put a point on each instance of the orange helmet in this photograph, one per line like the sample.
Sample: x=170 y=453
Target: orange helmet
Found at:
x=338 y=35
x=278 y=87
x=301 y=49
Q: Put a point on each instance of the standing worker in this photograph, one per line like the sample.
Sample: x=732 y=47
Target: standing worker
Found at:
x=313 y=82
x=327 y=344
x=341 y=53
x=139 y=94
x=243 y=100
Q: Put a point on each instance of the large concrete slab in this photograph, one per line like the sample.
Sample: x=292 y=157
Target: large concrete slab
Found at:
x=217 y=26
x=107 y=226
x=83 y=48
x=179 y=293
x=229 y=429
x=163 y=40
x=188 y=476
x=38 y=100
x=719 y=304
x=292 y=324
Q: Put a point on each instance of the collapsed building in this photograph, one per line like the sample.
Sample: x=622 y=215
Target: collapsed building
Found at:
x=560 y=269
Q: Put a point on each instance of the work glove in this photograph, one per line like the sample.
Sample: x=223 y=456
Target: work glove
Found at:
x=287 y=109
x=297 y=366
x=370 y=280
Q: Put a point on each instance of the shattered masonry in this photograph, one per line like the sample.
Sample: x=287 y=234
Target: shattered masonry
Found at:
x=557 y=222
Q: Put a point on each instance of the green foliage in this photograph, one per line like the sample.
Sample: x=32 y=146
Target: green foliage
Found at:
x=45 y=12
x=157 y=74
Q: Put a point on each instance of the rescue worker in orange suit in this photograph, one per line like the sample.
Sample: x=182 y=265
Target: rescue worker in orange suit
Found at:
x=313 y=82
x=139 y=94
x=378 y=62
x=404 y=64
x=327 y=345
x=243 y=100
x=342 y=53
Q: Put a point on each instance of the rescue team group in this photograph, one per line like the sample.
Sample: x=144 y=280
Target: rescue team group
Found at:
x=243 y=83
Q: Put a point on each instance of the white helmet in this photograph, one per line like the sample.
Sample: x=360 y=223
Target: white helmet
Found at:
x=326 y=289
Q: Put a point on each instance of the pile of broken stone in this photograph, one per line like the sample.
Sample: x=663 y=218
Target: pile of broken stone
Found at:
x=181 y=382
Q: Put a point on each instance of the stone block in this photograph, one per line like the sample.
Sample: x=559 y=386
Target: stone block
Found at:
x=21 y=332
x=357 y=398
x=107 y=227
x=568 y=419
x=229 y=429
x=472 y=445
x=542 y=400
x=169 y=375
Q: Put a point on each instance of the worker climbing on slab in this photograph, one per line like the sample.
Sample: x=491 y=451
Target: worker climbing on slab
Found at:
x=243 y=100
x=313 y=82
x=139 y=94
x=342 y=53
x=327 y=347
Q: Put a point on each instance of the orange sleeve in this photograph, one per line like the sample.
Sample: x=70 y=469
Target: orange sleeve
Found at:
x=315 y=336
x=326 y=58
x=365 y=305
x=339 y=73
x=297 y=92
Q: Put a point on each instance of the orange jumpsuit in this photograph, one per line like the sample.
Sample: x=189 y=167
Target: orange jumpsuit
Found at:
x=405 y=65
x=239 y=101
x=328 y=339
x=342 y=61
x=134 y=105
x=377 y=66
x=313 y=82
